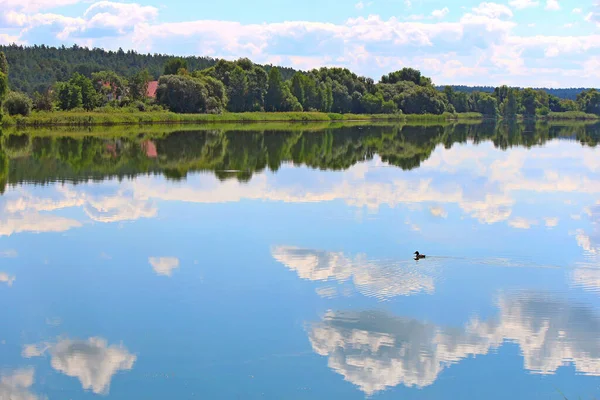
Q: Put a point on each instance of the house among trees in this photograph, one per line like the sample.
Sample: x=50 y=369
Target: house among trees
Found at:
x=151 y=91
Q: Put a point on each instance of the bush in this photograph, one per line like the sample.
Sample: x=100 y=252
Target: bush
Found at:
x=18 y=104
x=140 y=106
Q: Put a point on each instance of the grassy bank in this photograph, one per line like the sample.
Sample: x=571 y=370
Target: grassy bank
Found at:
x=571 y=115
x=99 y=118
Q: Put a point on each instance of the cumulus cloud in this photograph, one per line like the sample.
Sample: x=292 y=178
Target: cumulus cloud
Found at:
x=477 y=40
x=552 y=5
x=521 y=223
x=376 y=351
x=521 y=4
x=17 y=385
x=438 y=212
x=371 y=278
x=164 y=265
x=551 y=222
x=493 y=10
x=440 y=13
x=92 y=361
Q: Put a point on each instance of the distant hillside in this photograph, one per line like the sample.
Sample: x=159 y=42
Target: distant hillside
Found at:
x=570 y=93
x=37 y=67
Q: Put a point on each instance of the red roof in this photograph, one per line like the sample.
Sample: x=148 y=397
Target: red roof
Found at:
x=152 y=86
x=150 y=148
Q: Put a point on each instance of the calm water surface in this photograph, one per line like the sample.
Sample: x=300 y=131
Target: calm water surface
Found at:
x=261 y=263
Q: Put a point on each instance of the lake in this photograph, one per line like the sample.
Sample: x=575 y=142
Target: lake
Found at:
x=276 y=261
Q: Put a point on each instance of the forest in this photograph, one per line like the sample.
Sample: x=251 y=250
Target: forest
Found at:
x=236 y=154
x=48 y=79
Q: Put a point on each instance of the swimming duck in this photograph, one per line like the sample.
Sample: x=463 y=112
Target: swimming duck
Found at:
x=419 y=256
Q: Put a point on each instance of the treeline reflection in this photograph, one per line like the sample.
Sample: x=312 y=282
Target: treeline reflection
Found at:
x=238 y=154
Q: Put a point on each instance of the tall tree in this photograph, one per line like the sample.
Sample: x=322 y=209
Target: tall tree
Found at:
x=3 y=64
x=274 y=97
x=138 y=85
x=237 y=90
x=173 y=67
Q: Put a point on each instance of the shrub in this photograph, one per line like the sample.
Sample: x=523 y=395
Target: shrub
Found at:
x=17 y=103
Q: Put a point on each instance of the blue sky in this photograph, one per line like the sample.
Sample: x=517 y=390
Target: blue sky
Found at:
x=552 y=43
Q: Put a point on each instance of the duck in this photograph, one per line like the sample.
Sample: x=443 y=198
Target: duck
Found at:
x=419 y=256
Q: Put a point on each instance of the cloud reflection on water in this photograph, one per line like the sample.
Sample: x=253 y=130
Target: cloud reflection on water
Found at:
x=16 y=385
x=376 y=351
x=373 y=278
x=92 y=361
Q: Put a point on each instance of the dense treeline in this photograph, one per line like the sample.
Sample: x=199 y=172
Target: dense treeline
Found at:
x=202 y=85
x=45 y=159
x=563 y=93
x=36 y=68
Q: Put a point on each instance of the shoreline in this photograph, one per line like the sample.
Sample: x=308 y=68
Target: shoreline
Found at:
x=105 y=119
x=94 y=118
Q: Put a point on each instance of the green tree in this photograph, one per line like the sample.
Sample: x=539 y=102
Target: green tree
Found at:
x=275 y=92
x=89 y=96
x=298 y=88
x=510 y=106
x=42 y=101
x=530 y=102
x=68 y=96
x=237 y=90
x=3 y=64
x=589 y=101
x=173 y=66
x=185 y=94
x=17 y=103
x=138 y=85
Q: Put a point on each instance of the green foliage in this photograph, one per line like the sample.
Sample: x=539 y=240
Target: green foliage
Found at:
x=589 y=101
x=3 y=86
x=174 y=66
x=68 y=95
x=485 y=104
x=509 y=103
x=279 y=97
x=109 y=86
x=138 y=85
x=42 y=101
x=237 y=90
x=3 y=64
x=185 y=94
x=17 y=103
x=406 y=75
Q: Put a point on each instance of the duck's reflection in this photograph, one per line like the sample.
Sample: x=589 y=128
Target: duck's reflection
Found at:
x=16 y=385
x=374 y=278
x=92 y=361
x=375 y=351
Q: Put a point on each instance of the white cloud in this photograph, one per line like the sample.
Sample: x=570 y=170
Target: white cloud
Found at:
x=438 y=212
x=360 y=5
x=521 y=4
x=34 y=5
x=521 y=223
x=373 y=278
x=17 y=385
x=164 y=265
x=552 y=5
x=551 y=222
x=493 y=10
x=408 y=3
x=577 y=11
x=376 y=351
x=440 y=13
x=92 y=361
x=6 y=278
